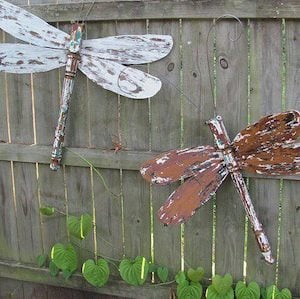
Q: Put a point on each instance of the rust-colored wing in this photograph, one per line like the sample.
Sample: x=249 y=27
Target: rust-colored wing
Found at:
x=269 y=132
x=179 y=164
x=284 y=160
x=193 y=193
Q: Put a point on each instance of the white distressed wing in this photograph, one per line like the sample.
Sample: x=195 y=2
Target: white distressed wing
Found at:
x=22 y=58
x=29 y=28
x=129 y=49
x=120 y=79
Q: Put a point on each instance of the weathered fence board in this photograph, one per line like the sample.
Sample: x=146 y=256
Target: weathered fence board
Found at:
x=231 y=101
x=265 y=98
x=196 y=88
x=250 y=81
x=289 y=253
x=165 y=134
x=130 y=10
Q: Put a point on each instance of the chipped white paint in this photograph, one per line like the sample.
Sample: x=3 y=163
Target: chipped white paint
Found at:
x=143 y=170
x=24 y=59
x=160 y=180
x=30 y=28
x=128 y=49
x=162 y=160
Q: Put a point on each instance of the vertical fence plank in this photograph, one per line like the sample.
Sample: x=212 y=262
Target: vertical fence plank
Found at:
x=11 y=289
x=8 y=227
x=289 y=261
x=231 y=80
x=165 y=135
x=265 y=98
x=51 y=184
x=3 y=116
x=27 y=206
x=135 y=132
x=196 y=86
x=104 y=127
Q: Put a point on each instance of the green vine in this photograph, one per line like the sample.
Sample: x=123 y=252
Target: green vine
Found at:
x=63 y=258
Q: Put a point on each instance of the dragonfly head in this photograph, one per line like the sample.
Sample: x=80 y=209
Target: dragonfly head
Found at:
x=76 y=37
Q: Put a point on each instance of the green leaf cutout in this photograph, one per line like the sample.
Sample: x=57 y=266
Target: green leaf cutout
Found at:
x=42 y=260
x=53 y=269
x=163 y=273
x=134 y=272
x=274 y=293
x=67 y=274
x=180 y=277
x=80 y=227
x=152 y=267
x=47 y=211
x=192 y=290
x=221 y=288
x=263 y=293
x=64 y=258
x=242 y=291
x=96 y=273
x=195 y=275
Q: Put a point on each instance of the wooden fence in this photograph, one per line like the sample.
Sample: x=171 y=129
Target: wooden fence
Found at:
x=261 y=75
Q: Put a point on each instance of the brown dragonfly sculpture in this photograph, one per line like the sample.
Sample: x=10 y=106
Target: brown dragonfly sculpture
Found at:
x=267 y=147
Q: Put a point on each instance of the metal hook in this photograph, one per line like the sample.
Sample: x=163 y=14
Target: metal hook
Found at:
x=207 y=54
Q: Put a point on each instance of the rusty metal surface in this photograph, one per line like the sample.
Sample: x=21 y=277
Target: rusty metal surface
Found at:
x=269 y=132
x=284 y=160
x=179 y=164
x=266 y=147
x=195 y=192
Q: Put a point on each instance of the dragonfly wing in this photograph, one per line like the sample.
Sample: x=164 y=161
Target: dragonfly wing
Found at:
x=270 y=131
x=179 y=164
x=192 y=194
x=284 y=160
x=129 y=49
x=120 y=79
x=22 y=58
x=29 y=28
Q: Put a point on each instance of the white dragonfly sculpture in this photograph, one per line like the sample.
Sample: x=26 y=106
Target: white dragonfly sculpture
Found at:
x=101 y=60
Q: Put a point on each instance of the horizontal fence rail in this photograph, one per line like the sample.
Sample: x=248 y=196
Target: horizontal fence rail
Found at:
x=184 y=9
x=85 y=157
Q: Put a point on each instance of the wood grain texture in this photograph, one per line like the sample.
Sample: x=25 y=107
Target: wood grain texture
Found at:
x=134 y=126
x=8 y=228
x=165 y=135
x=130 y=160
x=103 y=126
x=114 y=287
x=265 y=98
x=290 y=236
x=195 y=74
x=231 y=101
x=26 y=193
x=130 y=10
x=10 y=288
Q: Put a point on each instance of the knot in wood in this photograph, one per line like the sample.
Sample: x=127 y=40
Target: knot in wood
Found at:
x=224 y=63
x=171 y=66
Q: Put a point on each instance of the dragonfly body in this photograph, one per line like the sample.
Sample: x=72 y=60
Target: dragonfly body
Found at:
x=267 y=147
x=101 y=60
x=223 y=143
x=73 y=59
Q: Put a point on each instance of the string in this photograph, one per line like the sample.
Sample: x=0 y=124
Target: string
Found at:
x=88 y=11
